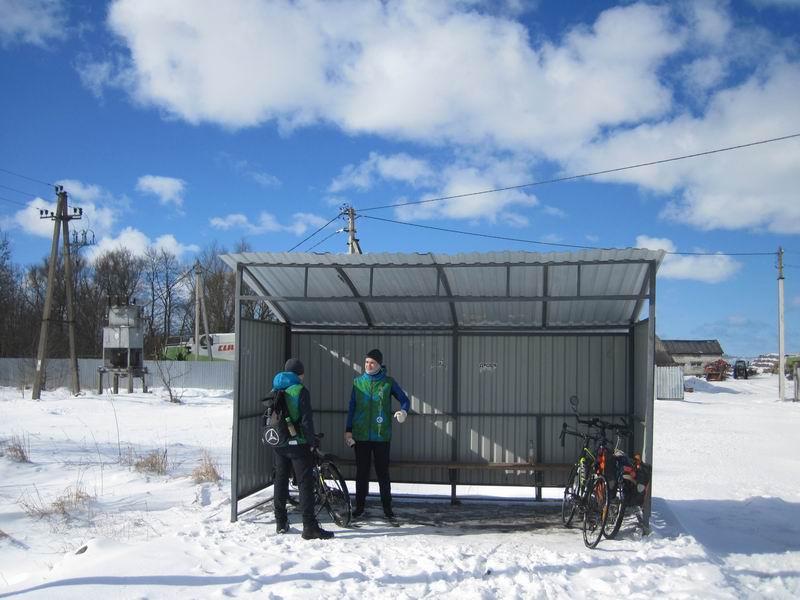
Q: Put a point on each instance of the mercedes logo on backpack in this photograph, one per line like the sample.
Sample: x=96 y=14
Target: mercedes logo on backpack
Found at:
x=270 y=436
x=275 y=432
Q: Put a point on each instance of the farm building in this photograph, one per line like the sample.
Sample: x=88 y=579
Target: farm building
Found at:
x=693 y=355
x=489 y=348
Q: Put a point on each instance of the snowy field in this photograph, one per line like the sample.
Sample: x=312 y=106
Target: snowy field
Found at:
x=79 y=521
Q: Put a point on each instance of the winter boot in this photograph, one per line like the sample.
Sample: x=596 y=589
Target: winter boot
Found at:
x=315 y=532
x=281 y=525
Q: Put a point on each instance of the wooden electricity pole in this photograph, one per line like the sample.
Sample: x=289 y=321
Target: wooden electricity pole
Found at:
x=61 y=219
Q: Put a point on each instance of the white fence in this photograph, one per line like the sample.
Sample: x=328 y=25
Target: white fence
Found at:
x=669 y=383
x=16 y=372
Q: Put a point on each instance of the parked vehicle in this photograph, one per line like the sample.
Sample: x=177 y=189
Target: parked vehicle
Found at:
x=222 y=347
x=740 y=370
x=717 y=370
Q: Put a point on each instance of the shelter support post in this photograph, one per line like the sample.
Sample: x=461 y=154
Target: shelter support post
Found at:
x=454 y=408
x=236 y=399
x=650 y=389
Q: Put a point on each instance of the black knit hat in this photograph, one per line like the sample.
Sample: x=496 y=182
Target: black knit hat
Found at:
x=376 y=355
x=295 y=366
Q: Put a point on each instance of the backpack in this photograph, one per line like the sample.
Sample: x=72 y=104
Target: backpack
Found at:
x=277 y=428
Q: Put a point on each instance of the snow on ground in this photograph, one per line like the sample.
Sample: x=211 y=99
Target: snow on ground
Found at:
x=726 y=514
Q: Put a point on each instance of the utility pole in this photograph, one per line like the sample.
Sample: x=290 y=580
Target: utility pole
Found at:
x=61 y=219
x=200 y=307
x=196 y=348
x=781 y=359
x=68 y=283
x=353 y=247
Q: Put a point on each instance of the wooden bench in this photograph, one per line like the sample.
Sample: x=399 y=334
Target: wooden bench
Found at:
x=473 y=466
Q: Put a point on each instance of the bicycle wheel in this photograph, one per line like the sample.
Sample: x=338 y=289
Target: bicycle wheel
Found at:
x=616 y=514
x=595 y=511
x=569 y=503
x=334 y=494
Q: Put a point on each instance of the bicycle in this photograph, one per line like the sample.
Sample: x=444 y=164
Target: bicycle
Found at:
x=633 y=477
x=586 y=489
x=330 y=488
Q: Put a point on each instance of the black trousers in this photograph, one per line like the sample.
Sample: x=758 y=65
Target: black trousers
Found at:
x=299 y=459
x=365 y=451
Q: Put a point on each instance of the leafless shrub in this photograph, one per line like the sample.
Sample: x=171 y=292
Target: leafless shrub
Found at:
x=154 y=462
x=167 y=371
x=127 y=457
x=74 y=498
x=207 y=470
x=18 y=448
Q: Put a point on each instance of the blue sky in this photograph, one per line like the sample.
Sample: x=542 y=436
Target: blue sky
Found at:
x=175 y=124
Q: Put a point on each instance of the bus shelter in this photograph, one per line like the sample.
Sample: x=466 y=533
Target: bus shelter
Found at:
x=489 y=347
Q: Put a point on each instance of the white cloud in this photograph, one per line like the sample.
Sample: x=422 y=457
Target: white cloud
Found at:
x=715 y=268
x=83 y=192
x=138 y=242
x=468 y=175
x=397 y=167
x=170 y=244
x=31 y=21
x=601 y=95
x=742 y=189
x=514 y=220
x=267 y=222
x=424 y=71
x=553 y=211
x=168 y=190
x=29 y=221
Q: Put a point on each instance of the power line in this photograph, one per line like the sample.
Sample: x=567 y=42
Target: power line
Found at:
x=26 y=177
x=15 y=202
x=19 y=191
x=527 y=241
x=325 y=239
x=583 y=175
x=315 y=233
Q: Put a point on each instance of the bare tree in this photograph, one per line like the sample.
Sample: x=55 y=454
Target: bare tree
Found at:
x=163 y=274
x=119 y=273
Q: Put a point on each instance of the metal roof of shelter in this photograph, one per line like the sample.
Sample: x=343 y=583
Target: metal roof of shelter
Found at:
x=492 y=290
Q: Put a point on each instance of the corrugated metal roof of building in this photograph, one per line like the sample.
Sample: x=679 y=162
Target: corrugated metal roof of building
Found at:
x=693 y=347
x=560 y=289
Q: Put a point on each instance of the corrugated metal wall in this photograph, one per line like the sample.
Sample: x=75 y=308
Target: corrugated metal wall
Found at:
x=262 y=353
x=513 y=393
x=669 y=383
x=422 y=364
x=217 y=375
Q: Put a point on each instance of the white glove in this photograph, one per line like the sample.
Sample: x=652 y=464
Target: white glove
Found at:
x=400 y=415
x=348 y=440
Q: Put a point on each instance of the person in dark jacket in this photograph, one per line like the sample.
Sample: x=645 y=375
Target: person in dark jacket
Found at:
x=296 y=455
x=369 y=428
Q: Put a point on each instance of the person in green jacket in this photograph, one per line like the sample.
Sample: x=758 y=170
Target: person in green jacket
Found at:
x=297 y=455
x=369 y=428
